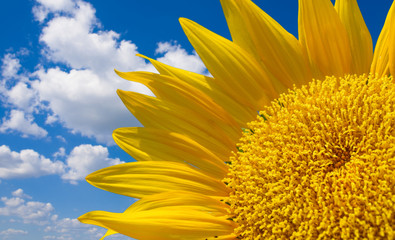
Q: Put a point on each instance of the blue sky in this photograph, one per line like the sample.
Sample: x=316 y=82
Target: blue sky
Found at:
x=58 y=100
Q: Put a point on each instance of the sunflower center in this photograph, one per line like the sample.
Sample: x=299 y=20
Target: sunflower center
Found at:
x=319 y=163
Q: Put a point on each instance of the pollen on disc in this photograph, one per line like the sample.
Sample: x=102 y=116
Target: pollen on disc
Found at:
x=319 y=163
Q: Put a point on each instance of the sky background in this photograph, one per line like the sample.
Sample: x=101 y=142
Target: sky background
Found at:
x=59 y=105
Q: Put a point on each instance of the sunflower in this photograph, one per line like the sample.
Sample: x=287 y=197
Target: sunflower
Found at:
x=289 y=139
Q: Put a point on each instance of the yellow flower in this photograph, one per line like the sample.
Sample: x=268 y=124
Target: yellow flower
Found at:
x=317 y=162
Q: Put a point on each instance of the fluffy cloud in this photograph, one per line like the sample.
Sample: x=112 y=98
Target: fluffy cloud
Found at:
x=62 y=139
x=71 y=40
x=10 y=66
x=21 y=96
x=26 y=163
x=20 y=194
x=85 y=159
x=6 y=233
x=175 y=55
x=71 y=229
x=84 y=98
x=19 y=122
x=15 y=90
x=83 y=102
x=18 y=95
x=19 y=209
x=57 y=5
x=65 y=225
x=43 y=214
x=45 y=7
x=29 y=211
x=81 y=161
x=78 y=90
x=60 y=153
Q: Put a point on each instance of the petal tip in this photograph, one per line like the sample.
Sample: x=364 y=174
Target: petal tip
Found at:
x=185 y=22
x=119 y=73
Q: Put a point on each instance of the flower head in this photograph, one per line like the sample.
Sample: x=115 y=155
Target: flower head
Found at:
x=317 y=162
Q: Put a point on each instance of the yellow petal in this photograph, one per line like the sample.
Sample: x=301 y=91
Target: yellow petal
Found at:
x=268 y=41
x=147 y=144
x=381 y=57
x=168 y=216
x=208 y=86
x=237 y=26
x=139 y=179
x=155 y=113
x=108 y=233
x=391 y=42
x=360 y=39
x=324 y=38
x=239 y=74
x=178 y=92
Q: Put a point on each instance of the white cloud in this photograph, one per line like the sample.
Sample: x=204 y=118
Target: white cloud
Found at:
x=30 y=212
x=51 y=119
x=16 y=93
x=19 y=122
x=60 y=153
x=12 y=231
x=84 y=102
x=70 y=40
x=22 y=97
x=40 y=13
x=82 y=160
x=57 y=5
x=10 y=66
x=84 y=99
x=26 y=163
x=72 y=229
x=45 y=7
x=49 y=237
x=85 y=159
x=60 y=138
x=175 y=55
x=40 y=213
x=82 y=96
x=20 y=194
x=63 y=225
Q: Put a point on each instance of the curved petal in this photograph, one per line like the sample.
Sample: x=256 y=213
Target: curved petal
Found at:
x=180 y=93
x=391 y=42
x=108 y=233
x=168 y=216
x=155 y=113
x=139 y=179
x=237 y=26
x=239 y=74
x=147 y=144
x=359 y=35
x=324 y=38
x=210 y=87
x=381 y=57
x=260 y=35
